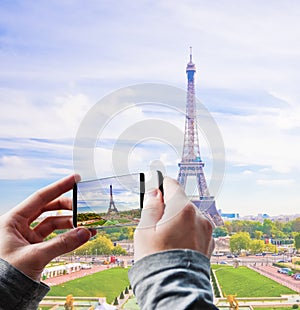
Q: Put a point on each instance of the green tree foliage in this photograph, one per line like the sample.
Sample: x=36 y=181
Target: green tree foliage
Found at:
x=257 y=246
x=240 y=241
x=268 y=228
x=258 y=234
x=228 y=226
x=220 y=231
x=116 y=301
x=120 y=233
x=102 y=244
x=270 y=248
x=297 y=241
x=296 y=225
x=118 y=250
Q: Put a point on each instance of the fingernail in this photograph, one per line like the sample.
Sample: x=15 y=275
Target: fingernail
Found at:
x=83 y=235
x=92 y=231
x=152 y=192
x=77 y=178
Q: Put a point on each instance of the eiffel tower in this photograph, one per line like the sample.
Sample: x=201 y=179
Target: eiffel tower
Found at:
x=191 y=163
x=112 y=207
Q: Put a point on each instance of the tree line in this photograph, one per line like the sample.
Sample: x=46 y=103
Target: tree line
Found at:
x=257 y=237
x=268 y=229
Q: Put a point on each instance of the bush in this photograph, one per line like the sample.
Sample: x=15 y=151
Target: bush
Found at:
x=215 y=286
x=116 y=301
x=126 y=290
x=295 y=306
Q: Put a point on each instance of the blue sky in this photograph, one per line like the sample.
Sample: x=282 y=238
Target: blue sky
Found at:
x=58 y=58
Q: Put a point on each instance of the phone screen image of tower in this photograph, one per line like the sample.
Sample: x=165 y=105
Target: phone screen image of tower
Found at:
x=109 y=202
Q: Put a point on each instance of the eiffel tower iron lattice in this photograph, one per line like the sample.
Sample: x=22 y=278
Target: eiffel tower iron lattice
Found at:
x=112 y=207
x=191 y=164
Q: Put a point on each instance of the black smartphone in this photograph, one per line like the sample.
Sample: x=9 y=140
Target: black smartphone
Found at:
x=113 y=201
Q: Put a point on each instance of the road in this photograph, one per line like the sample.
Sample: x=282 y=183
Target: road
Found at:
x=271 y=272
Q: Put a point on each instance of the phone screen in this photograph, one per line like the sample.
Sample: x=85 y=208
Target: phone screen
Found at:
x=112 y=202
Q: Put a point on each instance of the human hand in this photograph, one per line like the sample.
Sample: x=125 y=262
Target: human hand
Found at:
x=171 y=222
x=23 y=247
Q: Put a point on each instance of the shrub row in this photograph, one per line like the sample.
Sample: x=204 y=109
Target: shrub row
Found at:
x=116 y=302
x=215 y=285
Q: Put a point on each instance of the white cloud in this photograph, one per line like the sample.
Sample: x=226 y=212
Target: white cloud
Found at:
x=276 y=183
x=257 y=139
x=27 y=115
x=60 y=56
x=16 y=167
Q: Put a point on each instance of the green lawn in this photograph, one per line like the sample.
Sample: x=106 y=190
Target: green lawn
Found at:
x=247 y=283
x=108 y=283
x=273 y=308
x=131 y=304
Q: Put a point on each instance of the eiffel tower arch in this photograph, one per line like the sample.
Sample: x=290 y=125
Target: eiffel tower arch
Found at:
x=191 y=164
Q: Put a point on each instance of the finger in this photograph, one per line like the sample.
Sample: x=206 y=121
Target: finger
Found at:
x=50 y=224
x=174 y=197
x=32 y=205
x=153 y=209
x=61 y=203
x=211 y=247
x=64 y=243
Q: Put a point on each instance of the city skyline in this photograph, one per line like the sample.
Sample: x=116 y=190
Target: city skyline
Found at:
x=58 y=59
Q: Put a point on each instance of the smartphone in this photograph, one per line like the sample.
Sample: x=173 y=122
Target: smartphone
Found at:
x=113 y=201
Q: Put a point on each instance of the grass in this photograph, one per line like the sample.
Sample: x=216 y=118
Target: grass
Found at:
x=131 y=304
x=273 y=308
x=247 y=283
x=108 y=283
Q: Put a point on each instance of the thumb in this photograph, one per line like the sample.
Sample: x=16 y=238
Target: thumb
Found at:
x=175 y=199
x=65 y=242
x=153 y=209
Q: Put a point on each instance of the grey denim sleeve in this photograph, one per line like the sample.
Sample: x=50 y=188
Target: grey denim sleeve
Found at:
x=176 y=279
x=17 y=291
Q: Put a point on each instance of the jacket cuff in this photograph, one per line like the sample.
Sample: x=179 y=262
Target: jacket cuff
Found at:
x=17 y=290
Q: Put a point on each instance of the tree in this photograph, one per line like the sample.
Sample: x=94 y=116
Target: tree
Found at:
x=118 y=250
x=228 y=225
x=237 y=226
x=239 y=241
x=220 y=231
x=257 y=246
x=116 y=301
x=258 y=234
x=269 y=247
x=297 y=241
x=101 y=243
x=296 y=225
x=268 y=227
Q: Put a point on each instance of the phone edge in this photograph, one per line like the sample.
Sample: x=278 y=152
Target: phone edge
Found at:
x=74 y=205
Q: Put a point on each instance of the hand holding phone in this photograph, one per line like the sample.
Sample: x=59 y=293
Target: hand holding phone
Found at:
x=112 y=202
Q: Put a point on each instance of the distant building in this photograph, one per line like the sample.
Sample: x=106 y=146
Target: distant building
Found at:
x=229 y=216
x=259 y=217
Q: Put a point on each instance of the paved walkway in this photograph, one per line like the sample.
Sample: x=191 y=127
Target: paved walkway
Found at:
x=271 y=272
x=74 y=275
